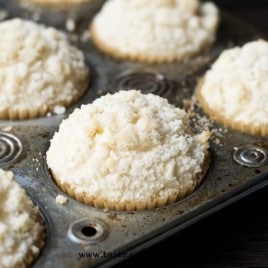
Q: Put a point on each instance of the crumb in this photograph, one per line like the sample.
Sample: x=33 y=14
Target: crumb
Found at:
x=187 y=104
x=60 y=199
x=202 y=122
x=7 y=128
x=58 y=109
x=217 y=141
x=206 y=136
x=70 y=25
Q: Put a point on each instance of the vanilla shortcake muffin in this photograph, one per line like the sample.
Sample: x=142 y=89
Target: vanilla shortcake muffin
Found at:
x=128 y=151
x=39 y=70
x=234 y=91
x=22 y=231
x=155 y=31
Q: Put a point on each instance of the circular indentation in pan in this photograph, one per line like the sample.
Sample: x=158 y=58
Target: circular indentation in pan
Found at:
x=250 y=156
x=146 y=82
x=10 y=147
x=51 y=185
x=88 y=231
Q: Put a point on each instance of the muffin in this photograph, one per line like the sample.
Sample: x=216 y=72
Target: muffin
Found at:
x=21 y=227
x=39 y=70
x=154 y=31
x=128 y=151
x=234 y=91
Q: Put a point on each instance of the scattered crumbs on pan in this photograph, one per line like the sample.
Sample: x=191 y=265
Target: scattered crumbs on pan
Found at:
x=60 y=199
x=7 y=128
x=105 y=210
x=58 y=109
x=187 y=104
x=202 y=122
x=70 y=25
x=36 y=162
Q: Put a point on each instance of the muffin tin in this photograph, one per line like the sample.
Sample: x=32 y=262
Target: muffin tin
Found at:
x=82 y=236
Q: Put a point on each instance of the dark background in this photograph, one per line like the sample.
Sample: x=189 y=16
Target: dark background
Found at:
x=253 y=11
x=236 y=236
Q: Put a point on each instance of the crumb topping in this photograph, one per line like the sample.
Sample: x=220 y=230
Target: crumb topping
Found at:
x=39 y=69
x=236 y=85
x=159 y=29
x=19 y=227
x=127 y=146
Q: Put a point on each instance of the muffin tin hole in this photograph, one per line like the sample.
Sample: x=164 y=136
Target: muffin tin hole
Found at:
x=10 y=147
x=87 y=231
x=146 y=82
x=250 y=156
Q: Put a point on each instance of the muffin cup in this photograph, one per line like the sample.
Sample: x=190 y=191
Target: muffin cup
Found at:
x=103 y=203
x=248 y=128
x=16 y=113
x=139 y=57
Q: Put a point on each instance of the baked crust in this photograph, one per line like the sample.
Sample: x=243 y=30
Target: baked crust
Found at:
x=216 y=115
x=144 y=58
x=14 y=113
x=139 y=153
x=22 y=229
x=38 y=76
x=103 y=203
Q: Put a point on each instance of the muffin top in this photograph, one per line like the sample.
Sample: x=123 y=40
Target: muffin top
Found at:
x=20 y=228
x=127 y=147
x=39 y=69
x=155 y=31
x=235 y=87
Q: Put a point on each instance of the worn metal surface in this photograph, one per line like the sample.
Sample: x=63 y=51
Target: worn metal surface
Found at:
x=74 y=229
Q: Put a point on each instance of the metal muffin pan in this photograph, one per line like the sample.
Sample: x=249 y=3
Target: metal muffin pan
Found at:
x=82 y=236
